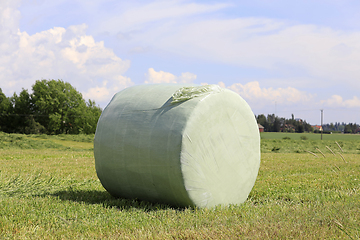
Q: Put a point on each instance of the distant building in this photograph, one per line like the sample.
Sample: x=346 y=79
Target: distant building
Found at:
x=317 y=127
x=261 y=128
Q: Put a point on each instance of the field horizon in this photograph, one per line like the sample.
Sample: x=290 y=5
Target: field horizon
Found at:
x=310 y=136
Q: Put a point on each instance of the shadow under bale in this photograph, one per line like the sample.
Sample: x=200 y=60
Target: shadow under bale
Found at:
x=108 y=201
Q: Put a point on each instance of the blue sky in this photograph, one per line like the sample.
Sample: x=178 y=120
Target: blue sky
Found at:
x=281 y=56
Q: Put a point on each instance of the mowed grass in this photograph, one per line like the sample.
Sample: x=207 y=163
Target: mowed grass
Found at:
x=310 y=136
x=305 y=142
x=54 y=193
x=63 y=142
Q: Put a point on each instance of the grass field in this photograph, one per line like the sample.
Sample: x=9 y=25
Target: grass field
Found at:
x=49 y=190
x=304 y=142
x=311 y=136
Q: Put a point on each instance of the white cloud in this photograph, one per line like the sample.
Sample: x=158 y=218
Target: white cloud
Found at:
x=58 y=53
x=135 y=16
x=10 y=16
x=302 y=50
x=153 y=76
x=269 y=44
x=187 y=77
x=259 y=97
x=338 y=101
x=107 y=90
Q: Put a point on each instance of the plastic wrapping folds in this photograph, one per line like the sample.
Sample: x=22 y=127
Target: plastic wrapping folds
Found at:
x=180 y=145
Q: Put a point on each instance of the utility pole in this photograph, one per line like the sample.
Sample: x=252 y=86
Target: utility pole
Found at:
x=322 y=111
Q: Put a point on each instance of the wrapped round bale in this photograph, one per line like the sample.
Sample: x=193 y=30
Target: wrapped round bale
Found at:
x=181 y=145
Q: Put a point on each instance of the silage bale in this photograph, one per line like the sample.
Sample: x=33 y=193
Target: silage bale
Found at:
x=181 y=145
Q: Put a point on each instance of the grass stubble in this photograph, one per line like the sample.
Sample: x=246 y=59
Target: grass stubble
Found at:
x=53 y=193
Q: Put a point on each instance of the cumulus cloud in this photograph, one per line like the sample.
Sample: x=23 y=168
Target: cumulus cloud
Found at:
x=153 y=76
x=338 y=101
x=259 y=97
x=58 y=53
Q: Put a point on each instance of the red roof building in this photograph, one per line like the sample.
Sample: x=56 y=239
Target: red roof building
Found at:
x=261 y=128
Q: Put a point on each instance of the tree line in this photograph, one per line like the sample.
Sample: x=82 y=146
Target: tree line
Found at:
x=273 y=123
x=342 y=127
x=53 y=107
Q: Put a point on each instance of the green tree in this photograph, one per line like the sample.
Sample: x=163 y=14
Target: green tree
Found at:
x=300 y=128
x=5 y=111
x=347 y=128
x=350 y=128
x=276 y=125
x=22 y=118
x=53 y=107
x=92 y=116
x=308 y=127
x=61 y=109
x=261 y=119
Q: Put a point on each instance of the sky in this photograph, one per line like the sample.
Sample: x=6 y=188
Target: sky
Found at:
x=282 y=56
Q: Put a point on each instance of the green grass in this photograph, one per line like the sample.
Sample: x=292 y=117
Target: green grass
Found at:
x=310 y=136
x=301 y=143
x=54 y=194
x=63 y=142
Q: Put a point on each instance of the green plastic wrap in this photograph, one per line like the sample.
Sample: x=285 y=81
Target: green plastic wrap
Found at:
x=181 y=145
